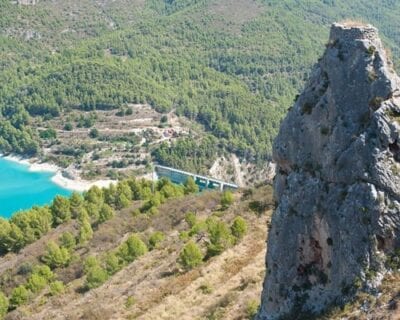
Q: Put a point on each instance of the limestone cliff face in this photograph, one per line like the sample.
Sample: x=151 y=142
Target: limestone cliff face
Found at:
x=338 y=180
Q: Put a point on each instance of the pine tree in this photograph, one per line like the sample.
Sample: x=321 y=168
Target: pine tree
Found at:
x=239 y=228
x=191 y=186
x=106 y=213
x=76 y=203
x=3 y=305
x=85 y=228
x=61 y=210
x=56 y=256
x=19 y=296
x=132 y=249
x=190 y=256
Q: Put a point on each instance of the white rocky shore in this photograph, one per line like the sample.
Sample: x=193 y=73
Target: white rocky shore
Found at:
x=65 y=178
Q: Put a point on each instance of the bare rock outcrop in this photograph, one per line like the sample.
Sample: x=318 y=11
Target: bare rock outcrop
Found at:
x=337 y=187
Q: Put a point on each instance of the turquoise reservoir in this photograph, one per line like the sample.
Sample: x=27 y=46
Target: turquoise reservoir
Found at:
x=22 y=189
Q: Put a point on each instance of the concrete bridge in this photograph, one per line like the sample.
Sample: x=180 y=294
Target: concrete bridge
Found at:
x=180 y=177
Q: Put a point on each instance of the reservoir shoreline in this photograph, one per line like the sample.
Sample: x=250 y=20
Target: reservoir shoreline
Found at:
x=58 y=178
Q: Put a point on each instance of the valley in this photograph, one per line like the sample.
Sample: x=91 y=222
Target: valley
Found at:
x=276 y=96
x=201 y=60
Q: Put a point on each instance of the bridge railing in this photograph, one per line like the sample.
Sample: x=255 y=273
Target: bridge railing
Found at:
x=180 y=176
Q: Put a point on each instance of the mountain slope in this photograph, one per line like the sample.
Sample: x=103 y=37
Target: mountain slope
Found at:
x=233 y=66
x=154 y=284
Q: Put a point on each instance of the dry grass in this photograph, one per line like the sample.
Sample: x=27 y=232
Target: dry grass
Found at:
x=154 y=282
x=384 y=307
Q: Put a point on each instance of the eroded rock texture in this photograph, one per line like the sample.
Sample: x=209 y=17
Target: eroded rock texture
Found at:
x=338 y=180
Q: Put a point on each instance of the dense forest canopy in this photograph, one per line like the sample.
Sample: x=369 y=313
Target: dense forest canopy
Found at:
x=233 y=66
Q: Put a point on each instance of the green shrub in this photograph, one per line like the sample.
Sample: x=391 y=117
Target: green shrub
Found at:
x=124 y=195
x=55 y=256
x=371 y=50
x=113 y=264
x=190 y=256
x=60 y=209
x=95 y=277
x=94 y=133
x=68 y=241
x=25 y=268
x=90 y=263
x=306 y=108
x=169 y=190
x=239 y=228
x=129 y=111
x=164 y=119
x=199 y=227
x=135 y=212
x=56 y=288
x=190 y=219
x=11 y=237
x=191 y=186
x=132 y=249
x=184 y=235
x=258 y=207
x=153 y=211
x=43 y=271
x=36 y=283
x=226 y=199
x=3 y=305
x=91 y=212
x=374 y=103
x=68 y=126
x=251 y=308
x=19 y=296
x=106 y=213
x=393 y=260
x=85 y=229
x=94 y=195
x=48 y=134
x=33 y=223
x=155 y=201
x=130 y=301
x=155 y=239
x=206 y=288
x=220 y=236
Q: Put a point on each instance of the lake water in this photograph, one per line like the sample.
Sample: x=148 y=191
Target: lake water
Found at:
x=22 y=189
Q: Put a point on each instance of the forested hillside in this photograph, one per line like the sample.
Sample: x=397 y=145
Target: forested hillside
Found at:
x=232 y=66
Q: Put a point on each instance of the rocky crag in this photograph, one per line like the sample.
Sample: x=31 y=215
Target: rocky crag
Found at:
x=337 y=221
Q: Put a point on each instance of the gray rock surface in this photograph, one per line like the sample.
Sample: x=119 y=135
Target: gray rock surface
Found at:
x=338 y=180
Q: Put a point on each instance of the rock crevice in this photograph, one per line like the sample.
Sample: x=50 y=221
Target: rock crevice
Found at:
x=338 y=180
